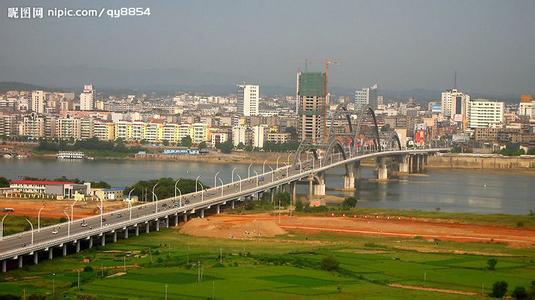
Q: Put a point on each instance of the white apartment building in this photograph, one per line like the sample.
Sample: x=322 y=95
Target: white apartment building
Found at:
x=38 y=102
x=248 y=99
x=68 y=128
x=170 y=132
x=366 y=96
x=200 y=133
x=184 y=131
x=453 y=103
x=258 y=136
x=484 y=113
x=33 y=126
x=153 y=132
x=87 y=101
x=86 y=128
x=238 y=135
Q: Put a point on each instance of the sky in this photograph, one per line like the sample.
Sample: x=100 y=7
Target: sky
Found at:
x=399 y=44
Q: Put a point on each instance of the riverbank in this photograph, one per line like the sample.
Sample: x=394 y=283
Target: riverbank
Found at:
x=481 y=161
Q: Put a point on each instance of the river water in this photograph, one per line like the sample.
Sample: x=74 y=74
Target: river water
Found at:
x=510 y=192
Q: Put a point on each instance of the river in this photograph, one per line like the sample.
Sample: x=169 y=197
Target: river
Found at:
x=501 y=191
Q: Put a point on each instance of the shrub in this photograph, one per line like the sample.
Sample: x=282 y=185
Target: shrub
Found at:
x=88 y=269
x=329 y=263
x=499 y=288
x=350 y=202
x=520 y=293
x=491 y=264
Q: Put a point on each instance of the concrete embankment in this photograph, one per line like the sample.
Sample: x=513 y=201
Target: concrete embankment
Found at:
x=481 y=161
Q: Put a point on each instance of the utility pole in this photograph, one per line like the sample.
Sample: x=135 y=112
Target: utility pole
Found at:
x=78 y=279
x=166 y=291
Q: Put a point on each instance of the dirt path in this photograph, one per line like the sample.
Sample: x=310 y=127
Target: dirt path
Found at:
x=55 y=208
x=224 y=226
x=421 y=288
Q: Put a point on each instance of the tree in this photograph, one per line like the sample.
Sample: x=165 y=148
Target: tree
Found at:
x=283 y=197
x=350 y=202
x=520 y=293
x=165 y=143
x=165 y=188
x=202 y=145
x=299 y=205
x=499 y=288
x=186 y=141
x=225 y=147
x=491 y=264
x=329 y=263
x=4 y=182
x=532 y=290
x=100 y=185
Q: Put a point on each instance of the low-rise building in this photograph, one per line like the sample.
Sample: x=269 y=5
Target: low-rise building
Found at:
x=63 y=189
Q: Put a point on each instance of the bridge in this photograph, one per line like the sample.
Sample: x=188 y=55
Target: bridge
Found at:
x=309 y=164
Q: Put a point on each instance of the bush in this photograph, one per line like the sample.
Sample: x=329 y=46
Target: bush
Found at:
x=299 y=205
x=88 y=269
x=491 y=264
x=519 y=293
x=350 y=202
x=329 y=263
x=499 y=289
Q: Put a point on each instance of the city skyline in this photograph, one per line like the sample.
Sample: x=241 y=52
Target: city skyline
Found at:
x=402 y=46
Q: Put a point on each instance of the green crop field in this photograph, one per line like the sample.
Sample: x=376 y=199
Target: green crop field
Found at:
x=285 y=267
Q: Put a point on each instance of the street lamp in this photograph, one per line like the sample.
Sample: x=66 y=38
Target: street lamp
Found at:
x=2 y=226
x=130 y=202
x=272 y=174
x=154 y=198
x=39 y=217
x=68 y=224
x=215 y=178
x=264 y=166
x=196 y=183
x=278 y=157
x=249 y=170
x=234 y=169
x=101 y=207
x=72 y=210
x=240 y=179
x=180 y=193
x=31 y=225
x=222 y=184
x=176 y=188
x=288 y=160
x=257 y=179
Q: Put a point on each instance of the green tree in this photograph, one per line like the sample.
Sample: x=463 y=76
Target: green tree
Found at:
x=225 y=147
x=4 y=182
x=299 y=205
x=350 y=202
x=165 y=143
x=330 y=263
x=186 y=141
x=283 y=197
x=100 y=185
x=202 y=145
x=164 y=189
x=520 y=293
x=491 y=264
x=499 y=289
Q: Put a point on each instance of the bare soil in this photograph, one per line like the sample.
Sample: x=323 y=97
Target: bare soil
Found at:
x=265 y=225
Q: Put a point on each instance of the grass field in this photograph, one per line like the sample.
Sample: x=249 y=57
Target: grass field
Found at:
x=285 y=267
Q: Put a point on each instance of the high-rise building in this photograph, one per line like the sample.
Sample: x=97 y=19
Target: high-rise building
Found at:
x=526 y=105
x=86 y=98
x=33 y=126
x=484 y=113
x=453 y=104
x=312 y=107
x=366 y=97
x=248 y=99
x=38 y=102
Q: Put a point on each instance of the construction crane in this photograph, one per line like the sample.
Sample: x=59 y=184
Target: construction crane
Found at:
x=326 y=88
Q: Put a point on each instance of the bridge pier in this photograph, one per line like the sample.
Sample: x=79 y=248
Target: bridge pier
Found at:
x=404 y=165
x=103 y=240
x=272 y=192
x=126 y=233
x=137 y=229
x=115 y=236
x=77 y=246
x=349 y=181
x=185 y=217
x=166 y=221
x=4 y=266
x=382 y=171
x=64 y=250
x=201 y=213
x=90 y=242
x=50 y=253
x=293 y=191
x=218 y=209
x=35 y=258
x=20 y=261
x=319 y=187
x=157 y=224
x=176 y=219
x=231 y=204
x=147 y=227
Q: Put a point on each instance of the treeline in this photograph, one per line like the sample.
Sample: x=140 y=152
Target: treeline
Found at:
x=164 y=189
x=94 y=184
x=88 y=144
x=513 y=149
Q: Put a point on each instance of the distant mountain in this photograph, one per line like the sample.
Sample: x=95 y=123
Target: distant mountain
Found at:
x=19 y=86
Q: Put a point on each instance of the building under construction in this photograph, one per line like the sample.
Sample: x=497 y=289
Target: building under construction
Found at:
x=312 y=106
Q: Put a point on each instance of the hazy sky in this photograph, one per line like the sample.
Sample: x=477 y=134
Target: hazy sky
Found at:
x=400 y=44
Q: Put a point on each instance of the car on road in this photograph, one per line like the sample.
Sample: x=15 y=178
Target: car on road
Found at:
x=8 y=209
x=55 y=231
x=83 y=224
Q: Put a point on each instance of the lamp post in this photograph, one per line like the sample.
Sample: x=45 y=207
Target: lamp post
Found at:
x=272 y=174
x=240 y=179
x=257 y=178
x=39 y=217
x=68 y=224
x=196 y=183
x=278 y=157
x=234 y=169
x=101 y=207
x=202 y=191
x=176 y=188
x=288 y=160
x=154 y=198
x=215 y=178
x=130 y=202
x=179 y=199
x=222 y=184
x=72 y=210
x=2 y=226
x=249 y=170
x=31 y=225
x=264 y=166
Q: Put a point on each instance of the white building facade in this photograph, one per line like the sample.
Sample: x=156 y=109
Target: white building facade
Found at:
x=248 y=99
